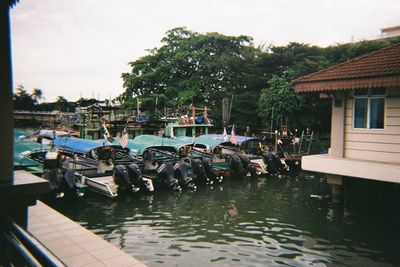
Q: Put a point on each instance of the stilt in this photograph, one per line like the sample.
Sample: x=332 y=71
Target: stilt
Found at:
x=336 y=182
x=337 y=194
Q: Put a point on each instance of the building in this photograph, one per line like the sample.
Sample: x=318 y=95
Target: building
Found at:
x=390 y=31
x=365 y=127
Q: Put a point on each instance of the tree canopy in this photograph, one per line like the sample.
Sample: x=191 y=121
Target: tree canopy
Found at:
x=279 y=101
x=201 y=69
x=192 y=67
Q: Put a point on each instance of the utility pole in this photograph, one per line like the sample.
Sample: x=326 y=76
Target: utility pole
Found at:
x=225 y=111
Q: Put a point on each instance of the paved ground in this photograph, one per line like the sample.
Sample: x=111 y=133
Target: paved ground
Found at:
x=72 y=243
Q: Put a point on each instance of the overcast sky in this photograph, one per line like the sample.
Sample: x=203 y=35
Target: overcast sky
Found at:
x=79 y=48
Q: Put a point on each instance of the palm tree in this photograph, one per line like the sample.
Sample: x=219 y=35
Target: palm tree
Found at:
x=37 y=95
x=61 y=103
x=23 y=100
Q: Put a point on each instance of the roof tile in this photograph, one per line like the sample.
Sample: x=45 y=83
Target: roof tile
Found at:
x=382 y=63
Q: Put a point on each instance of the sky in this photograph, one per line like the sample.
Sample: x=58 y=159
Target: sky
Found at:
x=79 y=48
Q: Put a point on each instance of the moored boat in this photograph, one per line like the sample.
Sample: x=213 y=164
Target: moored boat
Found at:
x=161 y=162
x=41 y=160
x=100 y=166
x=240 y=159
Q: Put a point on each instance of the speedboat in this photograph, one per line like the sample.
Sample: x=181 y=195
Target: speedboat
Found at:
x=161 y=162
x=106 y=169
x=42 y=160
x=241 y=159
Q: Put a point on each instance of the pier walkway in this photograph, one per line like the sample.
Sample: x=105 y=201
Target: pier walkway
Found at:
x=73 y=244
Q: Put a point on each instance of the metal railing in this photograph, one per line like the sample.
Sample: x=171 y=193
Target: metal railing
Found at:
x=24 y=247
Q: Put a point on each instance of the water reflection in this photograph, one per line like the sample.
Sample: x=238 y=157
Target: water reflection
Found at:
x=260 y=222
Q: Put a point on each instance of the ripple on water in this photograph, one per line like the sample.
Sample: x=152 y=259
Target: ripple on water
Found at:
x=218 y=259
x=192 y=238
x=192 y=228
x=245 y=224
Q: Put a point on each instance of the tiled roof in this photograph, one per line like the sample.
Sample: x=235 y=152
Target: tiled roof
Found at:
x=393 y=28
x=376 y=69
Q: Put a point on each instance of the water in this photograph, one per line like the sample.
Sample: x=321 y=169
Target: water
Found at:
x=262 y=222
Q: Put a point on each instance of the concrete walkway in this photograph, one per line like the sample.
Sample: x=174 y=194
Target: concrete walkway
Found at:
x=72 y=243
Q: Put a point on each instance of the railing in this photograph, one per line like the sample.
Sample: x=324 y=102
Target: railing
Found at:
x=23 y=248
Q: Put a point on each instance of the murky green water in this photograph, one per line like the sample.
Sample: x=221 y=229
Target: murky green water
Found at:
x=262 y=222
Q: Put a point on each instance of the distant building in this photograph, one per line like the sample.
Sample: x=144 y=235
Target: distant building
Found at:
x=390 y=32
x=365 y=126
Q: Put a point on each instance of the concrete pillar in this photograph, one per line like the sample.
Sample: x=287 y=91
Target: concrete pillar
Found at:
x=336 y=181
x=337 y=125
x=337 y=193
x=6 y=100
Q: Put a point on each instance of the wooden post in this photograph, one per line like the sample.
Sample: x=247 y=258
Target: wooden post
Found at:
x=6 y=93
x=193 y=112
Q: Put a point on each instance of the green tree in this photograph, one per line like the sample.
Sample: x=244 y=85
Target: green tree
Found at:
x=84 y=102
x=279 y=102
x=37 y=95
x=62 y=103
x=191 y=67
x=23 y=100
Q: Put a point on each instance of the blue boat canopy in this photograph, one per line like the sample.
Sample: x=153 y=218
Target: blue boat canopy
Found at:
x=77 y=144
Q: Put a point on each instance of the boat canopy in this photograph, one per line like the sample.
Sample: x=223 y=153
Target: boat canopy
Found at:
x=77 y=144
x=213 y=140
x=205 y=140
x=50 y=134
x=138 y=145
x=23 y=148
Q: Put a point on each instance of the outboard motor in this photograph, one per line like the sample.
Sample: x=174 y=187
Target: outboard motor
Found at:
x=181 y=172
x=166 y=172
x=209 y=170
x=274 y=164
x=250 y=168
x=137 y=179
x=121 y=178
x=54 y=182
x=294 y=167
x=236 y=166
x=199 y=170
x=68 y=184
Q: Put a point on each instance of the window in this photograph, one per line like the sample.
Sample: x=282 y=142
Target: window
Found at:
x=369 y=108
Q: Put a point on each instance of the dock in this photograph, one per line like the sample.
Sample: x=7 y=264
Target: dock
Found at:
x=72 y=243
